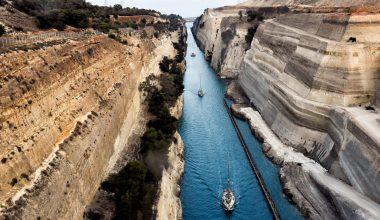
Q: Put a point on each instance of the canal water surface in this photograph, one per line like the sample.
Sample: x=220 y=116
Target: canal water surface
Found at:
x=210 y=142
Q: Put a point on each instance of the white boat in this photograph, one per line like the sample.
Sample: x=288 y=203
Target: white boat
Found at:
x=228 y=195
x=228 y=199
x=201 y=93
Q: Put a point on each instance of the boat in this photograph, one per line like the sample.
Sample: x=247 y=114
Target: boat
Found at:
x=228 y=199
x=201 y=93
x=193 y=55
x=228 y=195
x=200 y=90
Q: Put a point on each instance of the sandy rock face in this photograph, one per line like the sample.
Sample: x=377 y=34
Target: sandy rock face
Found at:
x=65 y=111
x=169 y=205
x=312 y=73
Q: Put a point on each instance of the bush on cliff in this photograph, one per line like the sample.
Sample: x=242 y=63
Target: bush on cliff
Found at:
x=156 y=101
x=181 y=49
x=165 y=64
x=118 y=38
x=171 y=66
x=227 y=36
x=165 y=123
x=250 y=34
x=2 y=30
x=254 y=16
x=133 y=188
x=172 y=87
x=152 y=140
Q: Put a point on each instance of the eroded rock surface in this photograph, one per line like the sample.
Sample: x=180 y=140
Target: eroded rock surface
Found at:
x=66 y=114
x=311 y=69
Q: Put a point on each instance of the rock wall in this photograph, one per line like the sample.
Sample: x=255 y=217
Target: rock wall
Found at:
x=169 y=205
x=66 y=112
x=322 y=3
x=311 y=71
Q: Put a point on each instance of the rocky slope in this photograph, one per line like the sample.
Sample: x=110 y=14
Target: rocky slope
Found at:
x=66 y=113
x=14 y=20
x=311 y=69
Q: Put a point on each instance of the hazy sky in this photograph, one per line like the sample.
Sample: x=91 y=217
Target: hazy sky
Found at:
x=185 y=8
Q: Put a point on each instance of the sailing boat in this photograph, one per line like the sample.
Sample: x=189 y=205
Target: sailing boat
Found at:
x=228 y=196
x=200 y=90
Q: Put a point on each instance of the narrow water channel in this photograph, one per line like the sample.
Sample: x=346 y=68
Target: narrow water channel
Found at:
x=210 y=142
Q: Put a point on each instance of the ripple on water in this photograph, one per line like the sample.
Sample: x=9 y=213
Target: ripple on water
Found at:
x=210 y=141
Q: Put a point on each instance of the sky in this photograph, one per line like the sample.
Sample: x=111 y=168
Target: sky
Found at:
x=185 y=8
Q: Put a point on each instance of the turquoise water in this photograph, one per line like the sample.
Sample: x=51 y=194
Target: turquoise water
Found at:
x=210 y=140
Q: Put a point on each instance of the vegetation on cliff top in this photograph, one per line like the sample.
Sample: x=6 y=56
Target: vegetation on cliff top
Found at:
x=77 y=13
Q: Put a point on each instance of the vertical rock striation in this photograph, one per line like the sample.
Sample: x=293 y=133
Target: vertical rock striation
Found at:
x=311 y=70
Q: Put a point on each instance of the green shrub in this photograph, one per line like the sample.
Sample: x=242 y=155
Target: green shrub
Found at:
x=165 y=123
x=135 y=185
x=117 y=38
x=2 y=30
x=240 y=15
x=134 y=190
x=171 y=66
x=254 y=16
x=153 y=140
x=227 y=36
x=60 y=18
x=58 y=13
x=165 y=64
x=155 y=101
x=250 y=34
x=112 y=35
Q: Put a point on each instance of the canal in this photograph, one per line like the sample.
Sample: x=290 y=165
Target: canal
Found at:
x=210 y=142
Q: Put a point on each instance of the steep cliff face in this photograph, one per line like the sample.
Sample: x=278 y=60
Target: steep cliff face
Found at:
x=66 y=113
x=169 y=204
x=221 y=34
x=312 y=72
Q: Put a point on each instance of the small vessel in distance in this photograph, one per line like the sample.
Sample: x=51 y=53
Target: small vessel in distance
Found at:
x=201 y=93
x=200 y=90
x=193 y=55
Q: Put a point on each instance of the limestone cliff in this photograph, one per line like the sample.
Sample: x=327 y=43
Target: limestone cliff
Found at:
x=169 y=205
x=66 y=113
x=311 y=69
